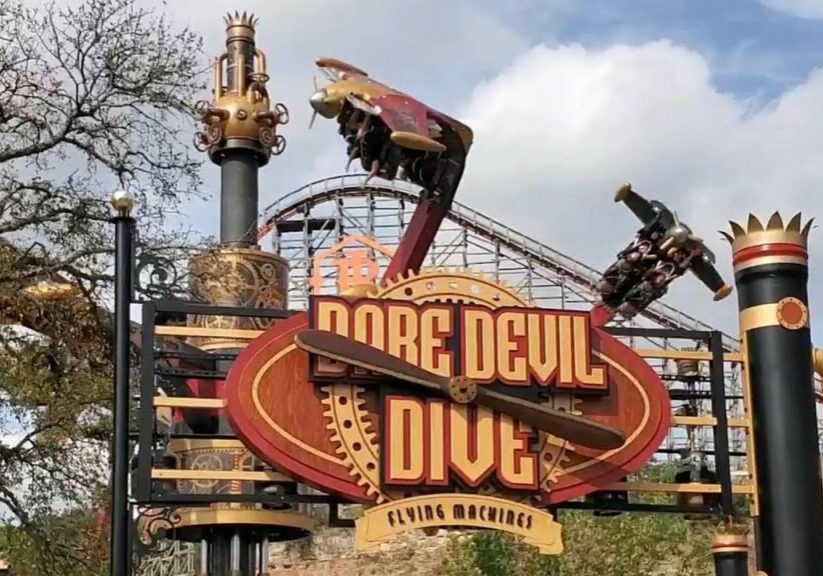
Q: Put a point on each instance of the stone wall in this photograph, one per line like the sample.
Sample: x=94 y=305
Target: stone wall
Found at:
x=330 y=552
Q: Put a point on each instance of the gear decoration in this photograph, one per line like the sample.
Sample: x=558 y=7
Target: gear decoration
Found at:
x=350 y=424
x=241 y=277
x=462 y=390
x=555 y=451
x=152 y=527
x=353 y=434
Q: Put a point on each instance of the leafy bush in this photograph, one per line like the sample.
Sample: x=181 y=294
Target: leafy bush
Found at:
x=625 y=545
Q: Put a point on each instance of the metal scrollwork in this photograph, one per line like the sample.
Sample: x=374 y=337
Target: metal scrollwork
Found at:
x=267 y=136
x=152 y=526
x=207 y=138
x=157 y=277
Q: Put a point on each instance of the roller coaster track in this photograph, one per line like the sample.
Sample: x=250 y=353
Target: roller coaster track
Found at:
x=301 y=201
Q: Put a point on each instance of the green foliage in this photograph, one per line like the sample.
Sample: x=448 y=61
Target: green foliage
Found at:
x=76 y=543
x=95 y=95
x=625 y=545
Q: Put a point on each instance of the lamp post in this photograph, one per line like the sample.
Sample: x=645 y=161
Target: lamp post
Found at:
x=123 y=202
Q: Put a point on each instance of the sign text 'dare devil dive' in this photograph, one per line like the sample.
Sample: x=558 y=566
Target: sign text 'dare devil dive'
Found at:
x=511 y=346
x=517 y=347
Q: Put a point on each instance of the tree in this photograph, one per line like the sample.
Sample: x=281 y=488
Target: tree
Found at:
x=94 y=96
x=624 y=545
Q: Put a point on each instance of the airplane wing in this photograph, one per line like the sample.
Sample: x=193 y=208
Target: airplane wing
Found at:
x=641 y=207
x=708 y=274
x=336 y=68
x=410 y=122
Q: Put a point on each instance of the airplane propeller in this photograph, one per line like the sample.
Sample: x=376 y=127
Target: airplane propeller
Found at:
x=314 y=109
x=576 y=429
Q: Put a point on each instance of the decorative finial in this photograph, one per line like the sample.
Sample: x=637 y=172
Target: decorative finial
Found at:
x=773 y=243
x=123 y=202
x=241 y=115
x=238 y=24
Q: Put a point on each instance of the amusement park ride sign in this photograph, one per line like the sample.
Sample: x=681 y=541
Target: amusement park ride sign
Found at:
x=435 y=417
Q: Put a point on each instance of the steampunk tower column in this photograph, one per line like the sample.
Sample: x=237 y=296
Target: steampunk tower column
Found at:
x=771 y=272
x=239 y=134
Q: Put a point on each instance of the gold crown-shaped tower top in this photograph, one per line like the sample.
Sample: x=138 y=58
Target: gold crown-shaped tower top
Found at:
x=238 y=24
x=774 y=232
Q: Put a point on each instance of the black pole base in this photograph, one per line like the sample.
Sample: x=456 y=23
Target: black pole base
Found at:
x=731 y=555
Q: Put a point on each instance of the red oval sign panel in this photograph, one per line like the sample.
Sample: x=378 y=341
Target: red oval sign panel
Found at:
x=373 y=438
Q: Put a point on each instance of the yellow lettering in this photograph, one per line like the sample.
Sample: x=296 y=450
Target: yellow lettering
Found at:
x=518 y=468
x=543 y=346
x=405 y=429
x=435 y=323
x=402 y=332
x=332 y=316
x=511 y=325
x=369 y=325
x=587 y=375
x=478 y=351
x=438 y=473
x=565 y=377
x=467 y=437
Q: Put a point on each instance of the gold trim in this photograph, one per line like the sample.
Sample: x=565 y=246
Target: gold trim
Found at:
x=191 y=331
x=623 y=192
x=817 y=360
x=179 y=402
x=684 y=354
x=211 y=517
x=774 y=232
x=729 y=539
x=164 y=474
x=274 y=425
x=178 y=445
x=759 y=316
x=754 y=508
x=690 y=488
x=708 y=421
x=536 y=527
x=729 y=549
x=239 y=253
x=646 y=411
x=416 y=141
x=804 y=313
x=208 y=346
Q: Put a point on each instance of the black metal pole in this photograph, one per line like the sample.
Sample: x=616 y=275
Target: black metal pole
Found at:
x=771 y=272
x=731 y=555
x=238 y=198
x=119 y=560
x=721 y=432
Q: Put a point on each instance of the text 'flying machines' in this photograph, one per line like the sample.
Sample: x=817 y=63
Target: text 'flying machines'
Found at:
x=661 y=251
x=393 y=135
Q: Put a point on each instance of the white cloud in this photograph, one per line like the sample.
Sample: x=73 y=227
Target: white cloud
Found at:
x=801 y=8
x=562 y=127
x=557 y=130
x=435 y=49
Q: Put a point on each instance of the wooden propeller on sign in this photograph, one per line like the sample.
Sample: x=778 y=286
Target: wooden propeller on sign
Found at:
x=580 y=431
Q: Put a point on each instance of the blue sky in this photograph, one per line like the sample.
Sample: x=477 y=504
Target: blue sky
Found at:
x=710 y=106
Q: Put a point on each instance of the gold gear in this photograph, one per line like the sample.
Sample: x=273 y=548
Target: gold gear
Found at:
x=462 y=390
x=357 y=443
x=352 y=433
x=451 y=285
x=554 y=452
